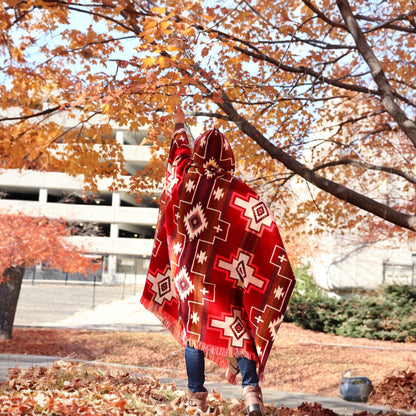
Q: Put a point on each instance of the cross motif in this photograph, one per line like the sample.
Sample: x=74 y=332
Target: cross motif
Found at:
x=255 y=212
x=190 y=186
x=282 y=258
x=204 y=291
x=233 y=327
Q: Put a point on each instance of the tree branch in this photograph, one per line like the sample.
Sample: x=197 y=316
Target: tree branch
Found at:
x=340 y=191
x=384 y=89
x=393 y=171
x=305 y=71
x=40 y=113
x=389 y=24
x=254 y=52
x=212 y=115
x=321 y=15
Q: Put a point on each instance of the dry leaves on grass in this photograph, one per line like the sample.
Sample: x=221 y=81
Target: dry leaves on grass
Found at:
x=67 y=389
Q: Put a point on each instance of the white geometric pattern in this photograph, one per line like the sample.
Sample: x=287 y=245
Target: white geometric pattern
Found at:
x=195 y=221
x=183 y=284
x=256 y=211
x=233 y=327
x=218 y=193
x=274 y=326
x=171 y=181
x=278 y=256
x=206 y=294
x=162 y=287
x=279 y=292
x=190 y=186
x=241 y=271
x=177 y=248
x=202 y=257
x=212 y=163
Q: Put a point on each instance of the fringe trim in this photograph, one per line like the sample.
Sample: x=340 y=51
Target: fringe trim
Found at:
x=231 y=377
x=217 y=354
x=166 y=319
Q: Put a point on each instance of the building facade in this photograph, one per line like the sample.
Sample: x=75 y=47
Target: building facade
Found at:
x=113 y=226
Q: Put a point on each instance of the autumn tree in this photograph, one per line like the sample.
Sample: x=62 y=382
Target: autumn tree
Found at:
x=29 y=241
x=319 y=93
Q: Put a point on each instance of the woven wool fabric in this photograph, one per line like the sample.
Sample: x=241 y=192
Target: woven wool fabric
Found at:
x=219 y=277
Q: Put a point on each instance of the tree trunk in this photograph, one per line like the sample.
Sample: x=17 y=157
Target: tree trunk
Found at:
x=9 y=295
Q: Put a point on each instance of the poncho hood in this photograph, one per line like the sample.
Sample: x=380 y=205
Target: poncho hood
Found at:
x=213 y=152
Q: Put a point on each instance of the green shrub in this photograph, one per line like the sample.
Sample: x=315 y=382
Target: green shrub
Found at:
x=388 y=314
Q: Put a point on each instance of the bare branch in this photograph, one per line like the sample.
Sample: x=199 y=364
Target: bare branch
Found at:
x=210 y=115
x=34 y=115
x=365 y=165
x=311 y=42
x=389 y=24
x=322 y=15
x=305 y=71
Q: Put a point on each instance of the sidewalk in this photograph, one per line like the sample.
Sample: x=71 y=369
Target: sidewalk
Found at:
x=129 y=315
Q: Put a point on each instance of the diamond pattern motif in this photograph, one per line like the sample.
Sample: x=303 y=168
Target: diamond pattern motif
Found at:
x=183 y=284
x=195 y=222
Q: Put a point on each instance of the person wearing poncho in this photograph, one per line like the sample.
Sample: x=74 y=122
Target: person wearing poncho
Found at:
x=219 y=277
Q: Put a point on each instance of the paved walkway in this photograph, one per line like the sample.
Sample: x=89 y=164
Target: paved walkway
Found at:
x=127 y=314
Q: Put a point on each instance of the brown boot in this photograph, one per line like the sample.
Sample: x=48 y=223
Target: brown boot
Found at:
x=197 y=402
x=253 y=400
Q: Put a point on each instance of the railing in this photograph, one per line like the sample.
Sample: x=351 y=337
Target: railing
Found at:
x=399 y=273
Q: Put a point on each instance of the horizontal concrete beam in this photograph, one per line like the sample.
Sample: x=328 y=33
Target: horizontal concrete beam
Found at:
x=87 y=213
x=118 y=246
x=139 y=155
x=26 y=180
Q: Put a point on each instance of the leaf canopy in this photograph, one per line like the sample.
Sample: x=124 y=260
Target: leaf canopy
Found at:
x=318 y=97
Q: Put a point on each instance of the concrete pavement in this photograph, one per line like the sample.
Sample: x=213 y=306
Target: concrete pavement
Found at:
x=124 y=313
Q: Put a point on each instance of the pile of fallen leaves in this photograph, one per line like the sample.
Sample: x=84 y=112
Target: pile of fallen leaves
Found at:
x=68 y=388
x=397 y=390
x=301 y=361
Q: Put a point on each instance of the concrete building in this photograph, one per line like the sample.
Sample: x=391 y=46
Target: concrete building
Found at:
x=125 y=226
x=344 y=263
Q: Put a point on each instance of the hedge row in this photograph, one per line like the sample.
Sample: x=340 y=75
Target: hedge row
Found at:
x=388 y=314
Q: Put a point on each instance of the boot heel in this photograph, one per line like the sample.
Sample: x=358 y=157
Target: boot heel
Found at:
x=254 y=410
x=253 y=401
x=197 y=403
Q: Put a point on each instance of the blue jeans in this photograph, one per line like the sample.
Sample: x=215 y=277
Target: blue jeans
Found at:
x=195 y=368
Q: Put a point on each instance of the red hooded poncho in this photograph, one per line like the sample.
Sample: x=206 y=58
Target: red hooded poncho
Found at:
x=219 y=277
